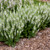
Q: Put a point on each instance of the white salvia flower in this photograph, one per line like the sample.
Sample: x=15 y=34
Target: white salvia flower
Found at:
x=5 y=0
x=44 y=11
x=26 y=9
x=38 y=30
x=14 y=19
x=23 y=18
x=36 y=17
x=9 y=36
x=39 y=4
x=33 y=31
x=6 y=35
x=30 y=16
x=19 y=27
x=24 y=12
x=38 y=20
x=17 y=31
x=20 y=31
x=41 y=10
x=22 y=26
x=38 y=24
x=10 y=5
x=12 y=36
x=37 y=8
x=17 y=18
x=34 y=28
x=21 y=13
x=5 y=13
x=0 y=24
x=20 y=1
x=28 y=19
x=38 y=12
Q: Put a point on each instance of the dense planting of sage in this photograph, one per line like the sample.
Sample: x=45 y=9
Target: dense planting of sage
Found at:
x=14 y=4
x=25 y=22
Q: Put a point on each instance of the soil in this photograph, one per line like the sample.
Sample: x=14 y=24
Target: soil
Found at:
x=40 y=42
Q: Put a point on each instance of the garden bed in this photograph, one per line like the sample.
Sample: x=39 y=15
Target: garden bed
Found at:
x=39 y=42
x=20 y=23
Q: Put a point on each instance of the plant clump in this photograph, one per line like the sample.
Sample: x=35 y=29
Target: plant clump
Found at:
x=26 y=21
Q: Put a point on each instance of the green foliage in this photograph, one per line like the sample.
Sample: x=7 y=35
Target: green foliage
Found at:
x=28 y=28
x=15 y=4
x=8 y=29
x=24 y=21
